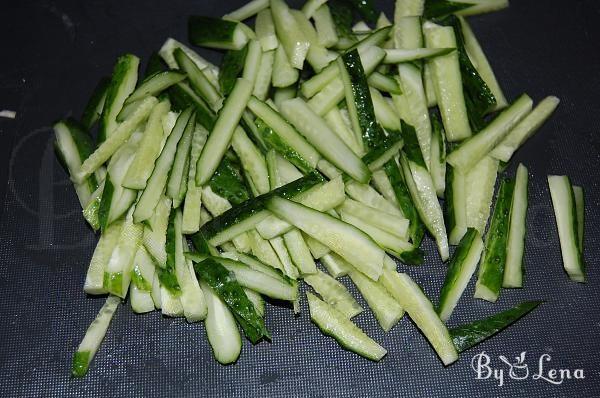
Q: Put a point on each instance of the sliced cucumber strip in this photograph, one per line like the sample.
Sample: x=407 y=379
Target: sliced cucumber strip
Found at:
x=383 y=238
x=318 y=133
x=382 y=184
x=93 y=337
x=319 y=251
x=221 y=328
x=198 y=79
x=390 y=223
x=325 y=27
x=515 y=245
x=252 y=62
x=94 y=279
x=410 y=296
x=290 y=35
x=525 y=129
x=158 y=180
x=366 y=195
x=149 y=149
x=299 y=252
x=337 y=122
x=437 y=163
x=116 y=139
x=122 y=83
x=470 y=152
x=318 y=56
x=248 y=10
x=166 y=53
x=565 y=211
x=491 y=269
x=263 y=250
x=93 y=109
x=252 y=160
x=580 y=205
x=265 y=30
x=480 y=182
x=155 y=234
x=460 y=270
x=220 y=137
x=482 y=7
x=216 y=33
x=265 y=75
x=284 y=74
x=387 y=310
x=289 y=268
x=193 y=196
x=456 y=205
x=399 y=55
x=348 y=335
x=311 y=6
x=155 y=83
x=340 y=237
x=334 y=293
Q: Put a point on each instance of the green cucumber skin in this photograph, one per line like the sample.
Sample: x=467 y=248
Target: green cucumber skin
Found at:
x=228 y=182
x=256 y=205
x=479 y=99
x=181 y=99
x=155 y=64
x=341 y=14
x=449 y=213
x=81 y=361
x=411 y=148
x=203 y=30
x=225 y=286
x=166 y=275
x=388 y=142
x=93 y=109
x=139 y=281
x=105 y=203
x=456 y=264
x=441 y=8
x=416 y=226
x=372 y=133
x=469 y=335
x=492 y=265
x=231 y=68
x=273 y=141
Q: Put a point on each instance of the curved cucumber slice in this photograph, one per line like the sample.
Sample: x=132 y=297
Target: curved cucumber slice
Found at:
x=334 y=293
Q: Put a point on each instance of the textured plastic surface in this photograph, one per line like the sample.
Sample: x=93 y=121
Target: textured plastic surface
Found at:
x=54 y=53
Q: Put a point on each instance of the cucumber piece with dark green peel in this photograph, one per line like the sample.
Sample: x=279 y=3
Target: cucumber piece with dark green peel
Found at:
x=442 y=8
x=216 y=33
x=155 y=64
x=182 y=97
x=358 y=100
x=565 y=212
x=341 y=14
x=224 y=284
x=122 y=84
x=93 y=109
x=198 y=80
x=389 y=147
x=416 y=226
x=471 y=334
x=167 y=275
x=178 y=173
x=333 y=323
x=231 y=68
x=455 y=205
x=515 y=244
x=460 y=270
x=93 y=337
x=228 y=183
x=246 y=215
x=155 y=84
x=334 y=293
x=437 y=160
x=491 y=269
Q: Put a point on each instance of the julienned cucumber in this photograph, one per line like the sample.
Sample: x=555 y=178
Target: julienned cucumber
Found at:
x=348 y=335
x=334 y=293
x=460 y=269
x=216 y=33
x=515 y=245
x=491 y=269
x=565 y=212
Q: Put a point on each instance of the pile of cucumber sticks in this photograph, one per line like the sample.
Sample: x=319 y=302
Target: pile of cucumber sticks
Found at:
x=319 y=139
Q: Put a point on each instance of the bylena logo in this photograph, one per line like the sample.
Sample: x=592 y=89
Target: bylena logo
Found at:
x=519 y=369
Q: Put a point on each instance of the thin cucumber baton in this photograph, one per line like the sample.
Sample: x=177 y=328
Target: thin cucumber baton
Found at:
x=299 y=252
x=284 y=74
x=290 y=35
x=178 y=174
x=525 y=129
x=348 y=335
x=280 y=249
x=116 y=139
x=265 y=30
x=193 y=196
x=93 y=337
x=340 y=237
x=155 y=84
x=515 y=245
x=318 y=57
x=166 y=53
x=455 y=204
x=580 y=206
x=482 y=6
x=94 y=279
x=469 y=335
x=410 y=296
x=158 y=180
x=198 y=79
x=437 y=161
x=122 y=83
x=155 y=233
x=93 y=109
x=311 y=6
x=252 y=62
x=480 y=182
x=565 y=212
x=384 y=83
x=216 y=33
x=460 y=270
x=248 y=10
x=491 y=268
x=262 y=85
x=220 y=137
x=399 y=55
x=232 y=67
x=471 y=151
x=318 y=133
x=393 y=224
x=334 y=293
x=253 y=162
x=325 y=27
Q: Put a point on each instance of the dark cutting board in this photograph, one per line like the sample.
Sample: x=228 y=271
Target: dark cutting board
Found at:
x=54 y=52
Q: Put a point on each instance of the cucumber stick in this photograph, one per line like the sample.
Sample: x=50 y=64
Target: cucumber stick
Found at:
x=253 y=162
x=93 y=337
x=262 y=85
x=493 y=261
x=158 y=180
x=325 y=27
x=180 y=168
x=368 y=196
x=154 y=85
x=299 y=252
x=118 y=137
x=399 y=55
x=580 y=206
x=220 y=137
x=471 y=151
x=318 y=57
x=198 y=80
x=390 y=223
x=252 y=62
x=456 y=205
x=410 y=296
x=318 y=133
x=265 y=30
x=221 y=328
x=515 y=245
x=94 y=279
x=340 y=237
x=93 y=109
x=482 y=6
x=248 y=10
x=216 y=33
x=284 y=74
x=142 y=277
x=525 y=129
x=565 y=212
x=387 y=310
x=149 y=149
x=122 y=84
x=334 y=293
x=437 y=163
x=460 y=270
x=193 y=196
x=348 y=335
x=447 y=82
x=291 y=36
x=480 y=182
x=381 y=237
x=289 y=268
x=155 y=234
